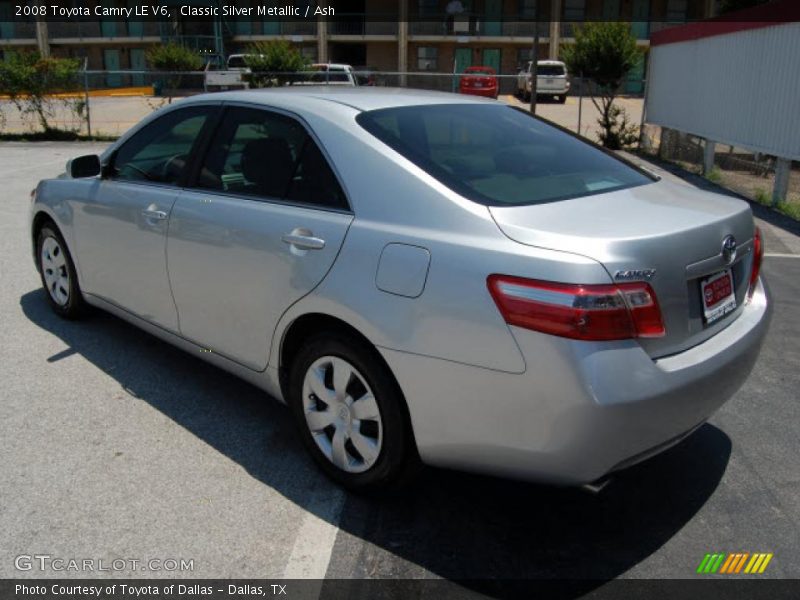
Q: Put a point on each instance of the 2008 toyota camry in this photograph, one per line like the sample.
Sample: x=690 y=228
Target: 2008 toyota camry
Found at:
x=418 y=276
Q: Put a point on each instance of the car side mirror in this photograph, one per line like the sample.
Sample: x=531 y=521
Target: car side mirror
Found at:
x=84 y=166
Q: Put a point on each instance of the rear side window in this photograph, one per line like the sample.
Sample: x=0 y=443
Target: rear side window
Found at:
x=498 y=155
x=259 y=153
x=550 y=70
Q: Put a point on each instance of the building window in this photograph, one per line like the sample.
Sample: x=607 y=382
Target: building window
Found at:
x=574 y=10
x=523 y=56
x=428 y=7
x=427 y=58
x=527 y=9
x=676 y=11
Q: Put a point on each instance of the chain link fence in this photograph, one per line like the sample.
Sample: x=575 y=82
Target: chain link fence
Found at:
x=749 y=173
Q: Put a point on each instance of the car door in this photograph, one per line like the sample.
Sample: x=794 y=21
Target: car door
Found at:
x=259 y=229
x=121 y=226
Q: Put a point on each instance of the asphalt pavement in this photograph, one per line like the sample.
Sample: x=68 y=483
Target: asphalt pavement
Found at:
x=116 y=445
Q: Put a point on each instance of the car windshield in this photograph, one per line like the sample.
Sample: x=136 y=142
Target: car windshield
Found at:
x=550 y=70
x=499 y=155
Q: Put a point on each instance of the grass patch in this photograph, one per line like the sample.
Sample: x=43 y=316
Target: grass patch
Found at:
x=54 y=135
x=714 y=176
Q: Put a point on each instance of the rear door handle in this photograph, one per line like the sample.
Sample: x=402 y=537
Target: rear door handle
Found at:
x=159 y=215
x=303 y=242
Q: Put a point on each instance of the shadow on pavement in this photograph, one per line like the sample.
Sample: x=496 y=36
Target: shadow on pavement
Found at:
x=490 y=535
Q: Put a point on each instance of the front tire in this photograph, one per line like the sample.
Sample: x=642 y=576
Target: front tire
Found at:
x=349 y=412
x=58 y=274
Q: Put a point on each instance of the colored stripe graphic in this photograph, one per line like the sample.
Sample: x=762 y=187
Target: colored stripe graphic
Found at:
x=729 y=563
x=703 y=563
x=733 y=563
x=741 y=561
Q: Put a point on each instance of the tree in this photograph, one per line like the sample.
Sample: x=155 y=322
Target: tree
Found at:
x=273 y=63
x=37 y=85
x=604 y=53
x=174 y=59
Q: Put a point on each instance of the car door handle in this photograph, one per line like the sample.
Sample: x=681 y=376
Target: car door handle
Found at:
x=303 y=242
x=154 y=214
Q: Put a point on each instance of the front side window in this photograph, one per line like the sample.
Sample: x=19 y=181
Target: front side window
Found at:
x=159 y=153
x=498 y=155
x=267 y=155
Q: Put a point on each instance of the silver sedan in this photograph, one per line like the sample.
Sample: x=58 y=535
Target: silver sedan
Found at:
x=421 y=277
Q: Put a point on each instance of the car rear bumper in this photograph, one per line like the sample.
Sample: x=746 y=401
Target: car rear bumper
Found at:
x=581 y=409
x=484 y=92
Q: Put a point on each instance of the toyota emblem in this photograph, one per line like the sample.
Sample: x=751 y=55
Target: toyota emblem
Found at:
x=729 y=249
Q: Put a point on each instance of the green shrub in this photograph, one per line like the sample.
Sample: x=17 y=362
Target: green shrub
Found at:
x=35 y=84
x=273 y=63
x=173 y=59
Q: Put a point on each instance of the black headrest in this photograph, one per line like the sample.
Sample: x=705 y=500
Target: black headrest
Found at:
x=268 y=164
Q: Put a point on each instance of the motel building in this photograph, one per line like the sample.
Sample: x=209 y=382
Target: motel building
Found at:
x=382 y=35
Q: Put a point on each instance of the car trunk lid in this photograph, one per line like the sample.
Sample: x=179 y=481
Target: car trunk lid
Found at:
x=673 y=229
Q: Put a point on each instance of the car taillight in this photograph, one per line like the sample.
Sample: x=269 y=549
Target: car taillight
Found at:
x=758 y=255
x=582 y=312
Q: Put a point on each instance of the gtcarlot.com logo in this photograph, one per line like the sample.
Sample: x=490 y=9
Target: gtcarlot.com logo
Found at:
x=46 y=562
x=735 y=563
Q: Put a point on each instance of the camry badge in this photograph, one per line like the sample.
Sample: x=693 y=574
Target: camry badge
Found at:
x=635 y=274
x=729 y=249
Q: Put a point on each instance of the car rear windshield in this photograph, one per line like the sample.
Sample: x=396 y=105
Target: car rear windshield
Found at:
x=550 y=70
x=237 y=62
x=486 y=71
x=499 y=155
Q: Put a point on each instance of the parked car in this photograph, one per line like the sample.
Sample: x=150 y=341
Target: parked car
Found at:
x=479 y=81
x=330 y=74
x=552 y=80
x=418 y=275
x=232 y=77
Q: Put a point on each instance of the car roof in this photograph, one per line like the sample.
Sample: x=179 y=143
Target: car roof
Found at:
x=319 y=98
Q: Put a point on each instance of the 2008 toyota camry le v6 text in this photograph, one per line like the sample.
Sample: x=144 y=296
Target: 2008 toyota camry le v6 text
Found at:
x=418 y=275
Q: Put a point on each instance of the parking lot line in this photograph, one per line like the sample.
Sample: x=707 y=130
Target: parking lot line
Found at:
x=316 y=536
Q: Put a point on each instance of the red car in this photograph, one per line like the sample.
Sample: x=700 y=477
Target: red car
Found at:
x=479 y=81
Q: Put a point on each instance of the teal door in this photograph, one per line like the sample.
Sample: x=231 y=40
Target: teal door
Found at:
x=634 y=84
x=463 y=59
x=491 y=58
x=108 y=27
x=135 y=28
x=611 y=10
x=640 y=27
x=271 y=27
x=244 y=27
x=138 y=64
x=493 y=11
x=111 y=63
x=6 y=21
x=640 y=15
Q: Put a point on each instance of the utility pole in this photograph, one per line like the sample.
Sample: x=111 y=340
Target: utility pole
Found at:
x=535 y=61
x=42 y=36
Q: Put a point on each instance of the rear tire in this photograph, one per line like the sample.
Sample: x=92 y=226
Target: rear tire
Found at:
x=58 y=274
x=349 y=413
x=562 y=99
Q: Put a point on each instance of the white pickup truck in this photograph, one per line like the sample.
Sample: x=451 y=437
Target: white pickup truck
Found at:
x=230 y=78
x=551 y=80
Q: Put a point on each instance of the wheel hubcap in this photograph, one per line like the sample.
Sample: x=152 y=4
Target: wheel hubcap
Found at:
x=56 y=274
x=342 y=414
